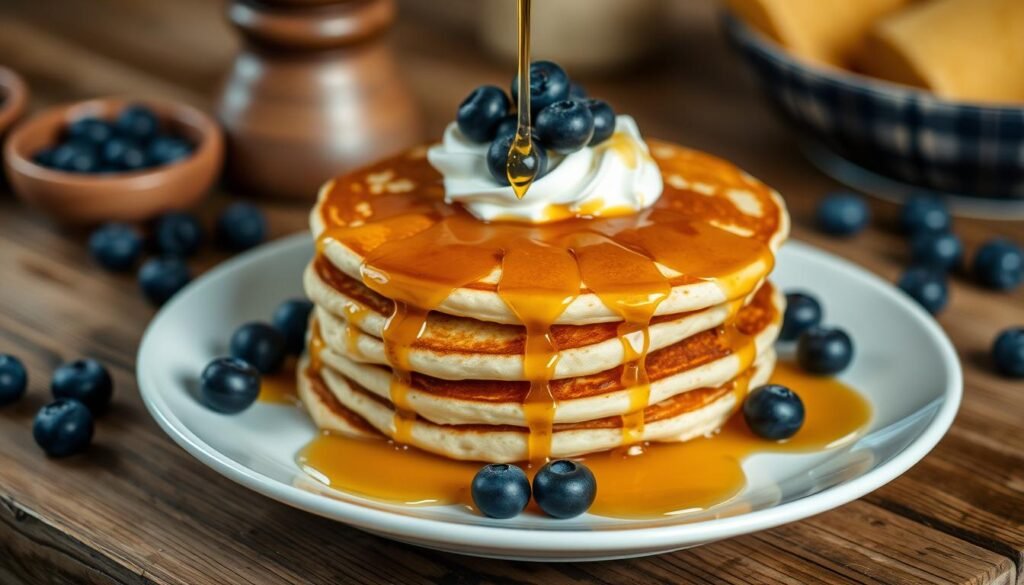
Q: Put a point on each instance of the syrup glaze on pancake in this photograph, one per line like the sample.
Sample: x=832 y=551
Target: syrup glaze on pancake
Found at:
x=417 y=250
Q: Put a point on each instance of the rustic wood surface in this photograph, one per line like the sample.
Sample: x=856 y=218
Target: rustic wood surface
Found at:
x=137 y=509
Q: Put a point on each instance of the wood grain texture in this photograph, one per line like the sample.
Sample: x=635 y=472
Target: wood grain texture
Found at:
x=137 y=509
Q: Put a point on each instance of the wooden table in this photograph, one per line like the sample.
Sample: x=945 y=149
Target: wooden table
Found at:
x=137 y=509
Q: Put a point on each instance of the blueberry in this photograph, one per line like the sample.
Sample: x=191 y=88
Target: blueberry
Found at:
x=123 y=154
x=497 y=159
x=76 y=157
x=565 y=126
x=927 y=286
x=500 y=490
x=260 y=345
x=564 y=489
x=160 y=278
x=1008 y=352
x=164 y=150
x=91 y=130
x=842 y=214
x=229 y=385
x=177 y=234
x=116 y=246
x=773 y=412
x=240 y=227
x=824 y=350
x=63 y=428
x=941 y=251
x=577 y=91
x=803 y=311
x=999 y=264
x=604 y=121
x=925 y=213
x=508 y=126
x=291 y=318
x=138 y=122
x=44 y=157
x=480 y=113
x=548 y=84
x=86 y=381
x=13 y=379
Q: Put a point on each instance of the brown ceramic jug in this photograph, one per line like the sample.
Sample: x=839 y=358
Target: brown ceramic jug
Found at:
x=314 y=92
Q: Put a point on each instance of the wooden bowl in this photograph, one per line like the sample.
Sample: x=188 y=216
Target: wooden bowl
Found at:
x=130 y=196
x=13 y=98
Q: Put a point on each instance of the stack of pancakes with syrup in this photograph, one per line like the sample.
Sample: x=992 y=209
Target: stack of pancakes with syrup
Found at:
x=505 y=342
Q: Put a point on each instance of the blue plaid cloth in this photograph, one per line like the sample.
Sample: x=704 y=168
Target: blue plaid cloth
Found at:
x=896 y=131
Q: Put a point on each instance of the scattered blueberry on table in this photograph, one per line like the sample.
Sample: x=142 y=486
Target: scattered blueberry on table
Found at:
x=86 y=381
x=241 y=226
x=63 y=428
x=842 y=214
x=773 y=412
x=937 y=250
x=500 y=490
x=13 y=379
x=824 y=350
x=999 y=265
x=927 y=286
x=116 y=247
x=564 y=489
x=131 y=142
x=229 y=385
x=291 y=318
x=1008 y=352
x=803 y=311
x=925 y=213
x=260 y=345
x=177 y=233
x=161 y=277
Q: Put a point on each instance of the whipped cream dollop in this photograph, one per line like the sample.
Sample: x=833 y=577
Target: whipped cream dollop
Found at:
x=615 y=177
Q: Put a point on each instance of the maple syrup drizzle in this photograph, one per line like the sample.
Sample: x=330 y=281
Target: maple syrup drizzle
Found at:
x=663 y=479
x=521 y=173
x=355 y=315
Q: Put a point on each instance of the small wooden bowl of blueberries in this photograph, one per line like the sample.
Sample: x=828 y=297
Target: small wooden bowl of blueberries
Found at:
x=114 y=159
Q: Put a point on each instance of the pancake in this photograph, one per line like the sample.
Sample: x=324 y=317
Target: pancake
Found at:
x=352 y=319
x=681 y=418
x=709 y=239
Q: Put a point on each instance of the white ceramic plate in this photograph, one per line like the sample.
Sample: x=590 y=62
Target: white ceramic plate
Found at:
x=904 y=364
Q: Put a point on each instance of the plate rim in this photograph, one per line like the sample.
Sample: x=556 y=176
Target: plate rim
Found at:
x=508 y=541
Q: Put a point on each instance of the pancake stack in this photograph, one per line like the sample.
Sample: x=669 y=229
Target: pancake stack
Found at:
x=507 y=342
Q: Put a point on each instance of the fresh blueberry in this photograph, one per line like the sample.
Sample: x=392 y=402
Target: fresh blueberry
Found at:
x=291 y=318
x=160 y=278
x=577 y=91
x=480 y=113
x=13 y=379
x=123 y=154
x=1008 y=352
x=508 y=126
x=177 y=234
x=604 y=120
x=260 y=345
x=164 y=150
x=497 y=159
x=565 y=126
x=548 y=84
x=842 y=214
x=999 y=264
x=925 y=213
x=564 y=489
x=803 y=311
x=500 y=490
x=116 y=246
x=76 y=157
x=241 y=226
x=927 y=286
x=824 y=350
x=91 y=130
x=773 y=412
x=86 y=381
x=138 y=122
x=44 y=157
x=63 y=428
x=941 y=251
x=229 y=385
